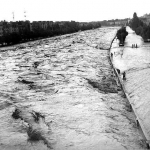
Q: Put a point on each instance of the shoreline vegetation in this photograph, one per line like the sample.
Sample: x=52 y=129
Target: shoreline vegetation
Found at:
x=140 y=27
x=23 y=31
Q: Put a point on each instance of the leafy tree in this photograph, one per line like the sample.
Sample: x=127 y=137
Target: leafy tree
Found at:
x=121 y=34
x=139 y=27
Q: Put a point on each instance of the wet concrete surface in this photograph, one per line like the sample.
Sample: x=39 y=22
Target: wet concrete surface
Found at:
x=69 y=80
x=136 y=63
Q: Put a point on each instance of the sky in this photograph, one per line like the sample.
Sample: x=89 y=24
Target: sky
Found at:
x=67 y=10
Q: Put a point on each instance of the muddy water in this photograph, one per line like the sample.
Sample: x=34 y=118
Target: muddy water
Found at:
x=136 y=63
x=70 y=81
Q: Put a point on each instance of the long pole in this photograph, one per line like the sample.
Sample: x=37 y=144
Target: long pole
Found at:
x=13 y=16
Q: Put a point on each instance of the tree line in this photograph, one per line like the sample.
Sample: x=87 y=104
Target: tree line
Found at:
x=24 y=31
x=121 y=35
x=140 y=27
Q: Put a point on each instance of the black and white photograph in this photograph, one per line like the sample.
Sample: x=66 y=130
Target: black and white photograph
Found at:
x=74 y=74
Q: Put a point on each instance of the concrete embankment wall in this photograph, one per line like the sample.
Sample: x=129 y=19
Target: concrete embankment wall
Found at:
x=140 y=122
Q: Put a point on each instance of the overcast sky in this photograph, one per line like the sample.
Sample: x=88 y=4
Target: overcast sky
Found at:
x=78 y=10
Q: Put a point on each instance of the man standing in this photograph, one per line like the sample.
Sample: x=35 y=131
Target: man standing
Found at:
x=124 y=76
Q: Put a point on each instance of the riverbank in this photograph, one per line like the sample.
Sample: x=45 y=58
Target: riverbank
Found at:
x=135 y=62
x=69 y=80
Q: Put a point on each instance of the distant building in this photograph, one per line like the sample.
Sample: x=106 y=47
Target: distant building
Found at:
x=116 y=22
x=146 y=18
x=121 y=22
x=1 y=28
x=13 y=28
x=111 y=22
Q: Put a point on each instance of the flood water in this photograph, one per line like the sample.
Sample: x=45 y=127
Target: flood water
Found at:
x=70 y=81
x=136 y=63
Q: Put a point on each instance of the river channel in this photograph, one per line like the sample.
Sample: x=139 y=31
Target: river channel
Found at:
x=69 y=81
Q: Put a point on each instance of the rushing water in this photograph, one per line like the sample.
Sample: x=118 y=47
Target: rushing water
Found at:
x=73 y=86
x=136 y=63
